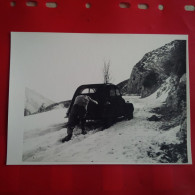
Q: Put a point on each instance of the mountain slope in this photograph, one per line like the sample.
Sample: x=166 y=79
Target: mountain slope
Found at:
x=58 y=105
x=33 y=101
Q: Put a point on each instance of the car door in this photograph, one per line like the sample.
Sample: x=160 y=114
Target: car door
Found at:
x=120 y=102
x=116 y=103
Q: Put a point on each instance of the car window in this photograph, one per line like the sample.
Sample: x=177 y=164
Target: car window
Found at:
x=85 y=91
x=112 y=92
x=118 y=92
x=88 y=90
x=92 y=90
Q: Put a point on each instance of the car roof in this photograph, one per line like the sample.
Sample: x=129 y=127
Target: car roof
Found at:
x=96 y=85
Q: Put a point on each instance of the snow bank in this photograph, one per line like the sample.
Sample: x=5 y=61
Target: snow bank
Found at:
x=154 y=100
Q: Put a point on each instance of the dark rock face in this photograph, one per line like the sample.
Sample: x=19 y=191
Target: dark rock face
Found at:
x=123 y=86
x=176 y=99
x=156 y=66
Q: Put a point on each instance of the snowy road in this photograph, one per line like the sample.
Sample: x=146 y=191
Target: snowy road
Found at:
x=130 y=142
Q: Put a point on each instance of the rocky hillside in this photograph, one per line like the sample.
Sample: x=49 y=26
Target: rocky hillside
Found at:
x=165 y=69
x=123 y=86
x=63 y=104
x=156 y=66
x=34 y=101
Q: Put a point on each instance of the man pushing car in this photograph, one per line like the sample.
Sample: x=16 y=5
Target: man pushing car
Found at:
x=77 y=115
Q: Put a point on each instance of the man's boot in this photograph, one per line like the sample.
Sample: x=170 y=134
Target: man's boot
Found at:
x=67 y=138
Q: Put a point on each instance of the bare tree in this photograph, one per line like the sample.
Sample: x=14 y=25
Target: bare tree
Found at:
x=106 y=72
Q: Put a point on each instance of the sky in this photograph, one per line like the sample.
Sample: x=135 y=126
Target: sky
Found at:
x=55 y=64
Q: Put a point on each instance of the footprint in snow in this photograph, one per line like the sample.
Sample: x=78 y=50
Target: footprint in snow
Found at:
x=111 y=152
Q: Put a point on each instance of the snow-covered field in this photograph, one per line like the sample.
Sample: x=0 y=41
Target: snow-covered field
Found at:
x=124 y=142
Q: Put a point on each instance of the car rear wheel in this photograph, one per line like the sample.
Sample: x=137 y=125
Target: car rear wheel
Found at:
x=108 y=122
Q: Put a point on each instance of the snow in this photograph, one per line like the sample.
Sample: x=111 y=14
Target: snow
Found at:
x=127 y=142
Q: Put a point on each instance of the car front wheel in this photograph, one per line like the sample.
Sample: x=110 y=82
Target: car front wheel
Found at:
x=129 y=108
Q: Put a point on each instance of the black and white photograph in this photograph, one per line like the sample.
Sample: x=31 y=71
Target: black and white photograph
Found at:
x=98 y=99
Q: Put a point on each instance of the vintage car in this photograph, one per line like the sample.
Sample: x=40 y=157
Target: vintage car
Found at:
x=110 y=102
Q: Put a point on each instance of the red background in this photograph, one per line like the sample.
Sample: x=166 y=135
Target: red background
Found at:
x=104 y=16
